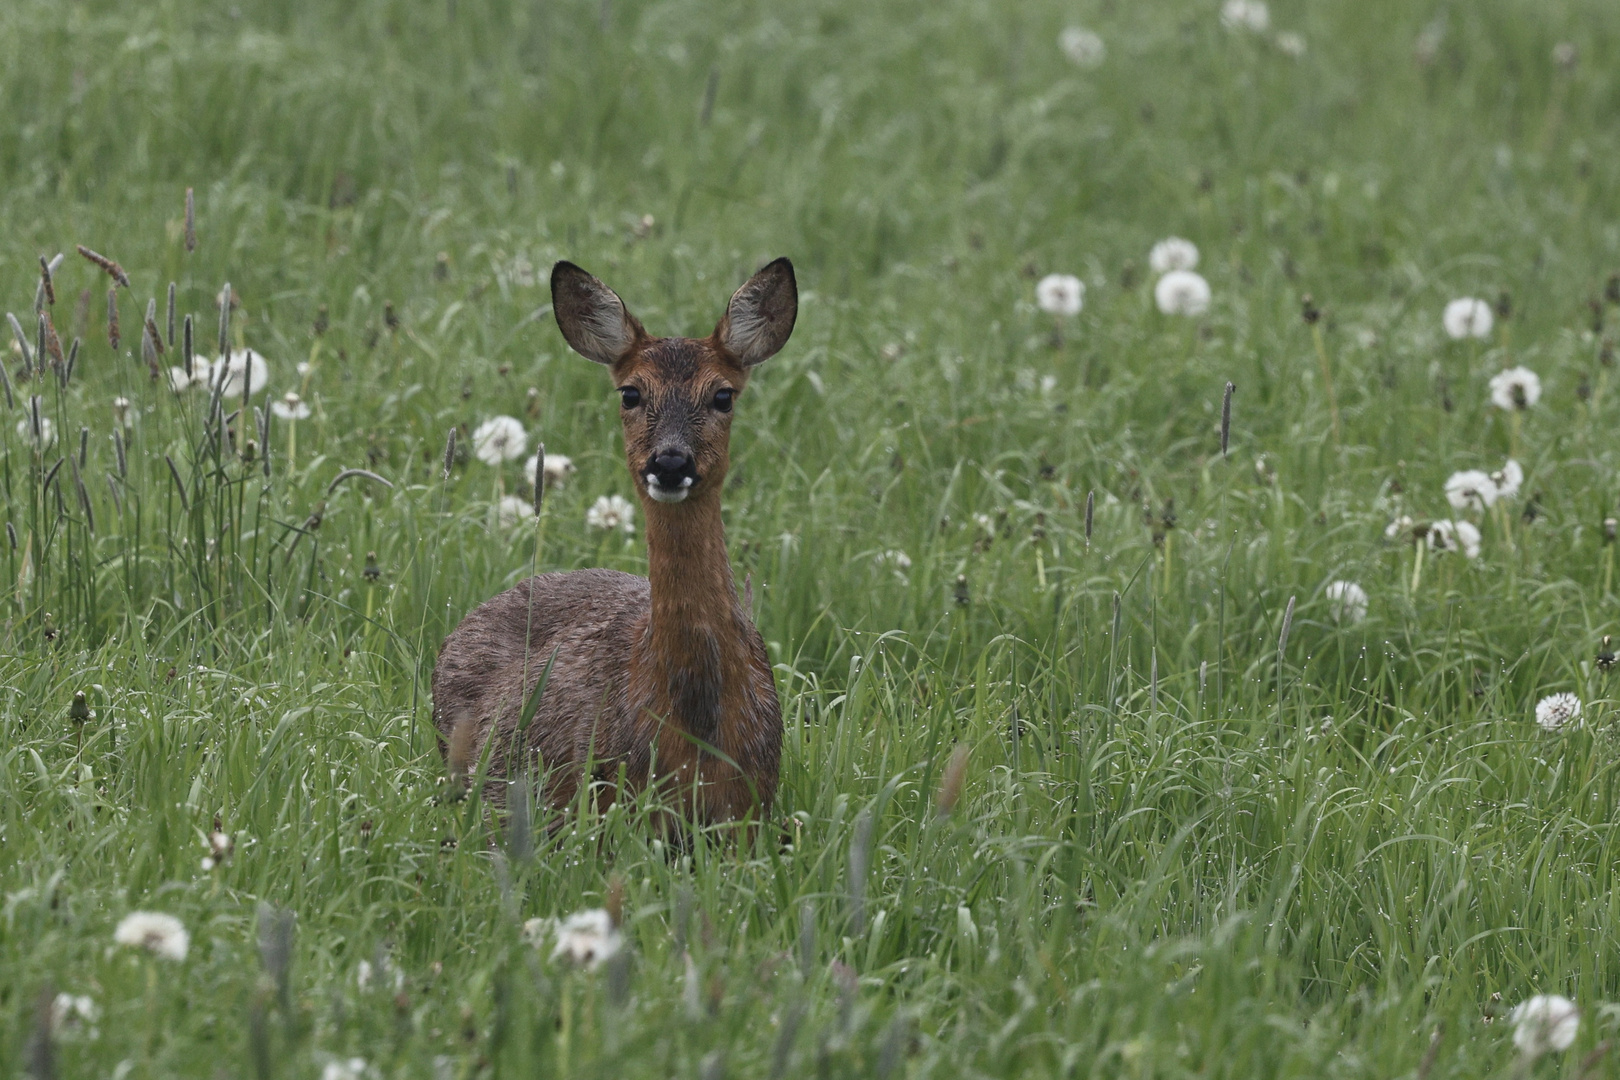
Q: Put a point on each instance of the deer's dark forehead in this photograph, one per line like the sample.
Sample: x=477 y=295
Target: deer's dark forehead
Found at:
x=677 y=360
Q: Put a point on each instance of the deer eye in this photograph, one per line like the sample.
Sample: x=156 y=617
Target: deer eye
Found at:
x=722 y=399
x=630 y=396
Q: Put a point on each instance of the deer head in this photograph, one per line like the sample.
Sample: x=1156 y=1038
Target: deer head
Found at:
x=676 y=394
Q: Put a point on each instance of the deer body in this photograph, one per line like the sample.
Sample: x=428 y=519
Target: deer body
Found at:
x=664 y=678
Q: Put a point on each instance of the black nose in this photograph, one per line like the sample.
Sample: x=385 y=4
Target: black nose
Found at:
x=670 y=467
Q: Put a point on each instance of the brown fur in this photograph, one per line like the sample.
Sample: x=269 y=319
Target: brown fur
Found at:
x=664 y=677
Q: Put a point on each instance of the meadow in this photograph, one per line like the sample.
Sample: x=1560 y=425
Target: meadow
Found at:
x=1090 y=768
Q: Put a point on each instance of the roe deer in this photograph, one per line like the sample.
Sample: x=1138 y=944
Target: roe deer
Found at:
x=664 y=677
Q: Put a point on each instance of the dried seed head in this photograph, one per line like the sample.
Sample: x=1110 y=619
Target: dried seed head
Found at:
x=187 y=353
x=45 y=282
x=390 y=319
x=322 y=321
x=1226 y=417
x=960 y=593
x=171 y=315
x=449 y=453
x=112 y=269
x=1605 y=656
x=112 y=318
x=118 y=451
x=1611 y=530
x=1504 y=305
x=191 y=221
x=1091 y=507
x=72 y=362
x=22 y=342
x=951 y=780
x=1287 y=626
x=80 y=709
x=1309 y=311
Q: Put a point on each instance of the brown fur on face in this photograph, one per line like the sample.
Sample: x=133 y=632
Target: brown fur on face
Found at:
x=664 y=678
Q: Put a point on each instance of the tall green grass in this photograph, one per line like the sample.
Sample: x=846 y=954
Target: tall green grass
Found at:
x=1183 y=847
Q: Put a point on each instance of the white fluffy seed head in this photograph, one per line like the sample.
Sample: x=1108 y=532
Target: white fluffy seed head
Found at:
x=163 y=935
x=1173 y=253
x=1060 y=294
x=1182 y=292
x=500 y=439
x=1557 y=711
x=1516 y=388
x=1545 y=1022
x=1347 y=601
x=1083 y=47
x=1468 y=317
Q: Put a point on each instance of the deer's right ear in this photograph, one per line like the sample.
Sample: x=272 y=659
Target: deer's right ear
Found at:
x=592 y=318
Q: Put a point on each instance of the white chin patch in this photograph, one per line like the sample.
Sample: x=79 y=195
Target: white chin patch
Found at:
x=662 y=494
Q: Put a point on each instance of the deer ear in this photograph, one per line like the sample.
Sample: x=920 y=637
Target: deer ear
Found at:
x=760 y=316
x=592 y=318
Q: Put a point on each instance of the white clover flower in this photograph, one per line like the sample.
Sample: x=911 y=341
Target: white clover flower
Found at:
x=512 y=511
x=1468 y=317
x=1182 y=292
x=1547 y=1021
x=559 y=467
x=47 y=432
x=1515 y=388
x=1060 y=294
x=1471 y=489
x=290 y=406
x=1347 y=600
x=498 y=439
x=1083 y=47
x=244 y=366
x=74 y=1014
x=345 y=1069
x=1553 y=712
x=122 y=414
x=1246 y=15
x=611 y=512
x=1173 y=253
x=1291 y=44
x=1508 y=479
x=587 y=938
x=1454 y=536
x=156 y=932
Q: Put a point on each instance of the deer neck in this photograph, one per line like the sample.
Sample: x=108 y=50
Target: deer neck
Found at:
x=695 y=648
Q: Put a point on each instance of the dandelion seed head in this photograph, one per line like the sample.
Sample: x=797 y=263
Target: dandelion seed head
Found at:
x=72 y=1014
x=1508 y=479
x=500 y=439
x=156 y=932
x=587 y=938
x=1454 y=537
x=290 y=406
x=558 y=469
x=47 y=432
x=345 y=1069
x=1546 y=1021
x=1083 y=47
x=1182 y=292
x=1173 y=253
x=242 y=367
x=1468 y=317
x=611 y=512
x=123 y=414
x=1251 y=15
x=512 y=511
x=1516 y=388
x=1554 y=712
x=1060 y=294
x=1471 y=489
x=1347 y=601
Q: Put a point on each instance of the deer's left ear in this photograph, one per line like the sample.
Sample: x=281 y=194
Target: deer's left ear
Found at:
x=760 y=316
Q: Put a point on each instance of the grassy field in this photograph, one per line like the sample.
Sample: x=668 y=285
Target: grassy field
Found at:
x=1211 y=824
